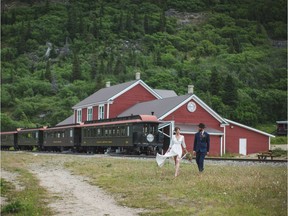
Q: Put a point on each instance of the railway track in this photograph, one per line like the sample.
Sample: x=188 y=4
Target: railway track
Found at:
x=153 y=157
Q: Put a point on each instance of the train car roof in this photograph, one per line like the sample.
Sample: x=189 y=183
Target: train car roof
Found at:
x=150 y=118
x=8 y=132
x=62 y=127
x=30 y=129
x=123 y=120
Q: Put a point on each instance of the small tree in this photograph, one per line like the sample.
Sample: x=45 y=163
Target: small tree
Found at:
x=76 y=70
x=230 y=94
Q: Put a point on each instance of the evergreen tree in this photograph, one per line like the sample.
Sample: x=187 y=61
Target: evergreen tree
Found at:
x=230 y=94
x=76 y=70
x=94 y=66
x=215 y=82
x=162 y=22
x=54 y=85
x=48 y=74
x=146 y=24
x=71 y=24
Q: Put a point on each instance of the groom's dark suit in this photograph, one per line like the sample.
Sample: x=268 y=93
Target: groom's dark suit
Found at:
x=201 y=147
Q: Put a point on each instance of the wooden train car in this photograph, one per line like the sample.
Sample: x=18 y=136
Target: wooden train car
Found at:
x=8 y=140
x=133 y=133
x=28 y=139
x=61 y=138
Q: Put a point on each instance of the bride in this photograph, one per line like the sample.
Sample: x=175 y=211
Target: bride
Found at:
x=174 y=150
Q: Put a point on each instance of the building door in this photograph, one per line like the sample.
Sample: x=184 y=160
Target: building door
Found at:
x=243 y=146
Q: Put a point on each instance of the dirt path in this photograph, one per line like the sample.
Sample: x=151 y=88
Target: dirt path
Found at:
x=72 y=195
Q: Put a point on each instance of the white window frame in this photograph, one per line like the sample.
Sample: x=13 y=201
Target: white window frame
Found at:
x=79 y=115
x=90 y=113
x=101 y=111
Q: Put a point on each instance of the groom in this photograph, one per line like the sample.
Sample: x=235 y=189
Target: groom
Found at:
x=201 y=146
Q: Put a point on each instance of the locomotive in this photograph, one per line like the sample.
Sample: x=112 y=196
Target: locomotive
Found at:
x=136 y=134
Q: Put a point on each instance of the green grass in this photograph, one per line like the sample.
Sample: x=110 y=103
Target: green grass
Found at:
x=221 y=190
x=279 y=140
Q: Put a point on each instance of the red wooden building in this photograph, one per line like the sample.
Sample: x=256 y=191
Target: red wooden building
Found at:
x=185 y=111
x=112 y=100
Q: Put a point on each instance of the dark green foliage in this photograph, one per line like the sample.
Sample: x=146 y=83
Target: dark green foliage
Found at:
x=230 y=94
x=233 y=52
x=215 y=83
x=12 y=208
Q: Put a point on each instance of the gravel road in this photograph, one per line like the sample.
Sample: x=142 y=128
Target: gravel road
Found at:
x=72 y=194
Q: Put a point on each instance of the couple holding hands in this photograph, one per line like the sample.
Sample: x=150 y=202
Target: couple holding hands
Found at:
x=200 y=148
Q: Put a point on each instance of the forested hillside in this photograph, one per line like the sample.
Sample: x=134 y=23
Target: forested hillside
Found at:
x=56 y=53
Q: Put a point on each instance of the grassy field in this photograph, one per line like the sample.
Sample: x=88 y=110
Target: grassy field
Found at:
x=221 y=190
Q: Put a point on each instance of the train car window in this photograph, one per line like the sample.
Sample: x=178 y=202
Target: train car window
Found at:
x=4 y=137
x=84 y=132
x=128 y=131
x=122 y=131
x=99 y=131
x=106 y=132
x=36 y=135
x=145 y=129
x=71 y=133
x=94 y=132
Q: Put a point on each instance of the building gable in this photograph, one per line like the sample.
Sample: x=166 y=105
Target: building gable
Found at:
x=105 y=95
x=136 y=94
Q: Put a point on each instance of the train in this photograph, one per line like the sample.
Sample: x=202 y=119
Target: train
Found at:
x=135 y=134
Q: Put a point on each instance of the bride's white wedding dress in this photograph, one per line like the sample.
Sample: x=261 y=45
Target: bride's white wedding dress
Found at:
x=176 y=149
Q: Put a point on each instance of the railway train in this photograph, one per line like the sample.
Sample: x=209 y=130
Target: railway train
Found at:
x=136 y=134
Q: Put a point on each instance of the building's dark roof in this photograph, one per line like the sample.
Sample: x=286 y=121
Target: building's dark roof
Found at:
x=158 y=107
x=110 y=93
x=67 y=121
x=163 y=107
x=165 y=93
x=104 y=94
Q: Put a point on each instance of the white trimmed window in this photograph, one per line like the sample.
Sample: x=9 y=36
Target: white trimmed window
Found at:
x=101 y=112
x=89 y=113
x=79 y=115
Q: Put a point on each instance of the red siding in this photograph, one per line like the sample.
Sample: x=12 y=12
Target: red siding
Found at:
x=256 y=142
x=182 y=116
x=215 y=144
x=95 y=112
x=133 y=96
x=84 y=114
